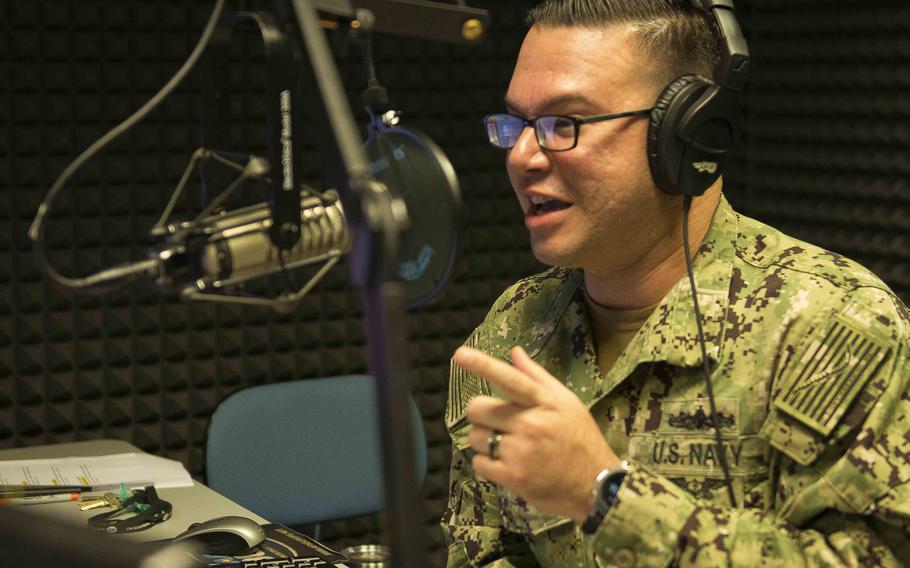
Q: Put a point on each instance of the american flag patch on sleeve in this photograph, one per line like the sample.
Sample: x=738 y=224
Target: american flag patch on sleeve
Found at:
x=830 y=373
x=463 y=386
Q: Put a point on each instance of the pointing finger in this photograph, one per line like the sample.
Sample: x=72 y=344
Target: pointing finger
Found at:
x=512 y=383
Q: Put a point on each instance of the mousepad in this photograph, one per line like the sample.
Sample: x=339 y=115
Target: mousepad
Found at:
x=282 y=542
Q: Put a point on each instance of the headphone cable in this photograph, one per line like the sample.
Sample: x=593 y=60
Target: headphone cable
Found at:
x=709 y=385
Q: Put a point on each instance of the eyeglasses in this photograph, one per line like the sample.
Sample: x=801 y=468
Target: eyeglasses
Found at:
x=554 y=132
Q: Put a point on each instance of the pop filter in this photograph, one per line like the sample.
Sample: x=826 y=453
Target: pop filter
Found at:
x=415 y=169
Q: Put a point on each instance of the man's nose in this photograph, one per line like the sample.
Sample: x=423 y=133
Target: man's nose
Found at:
x=527 y=155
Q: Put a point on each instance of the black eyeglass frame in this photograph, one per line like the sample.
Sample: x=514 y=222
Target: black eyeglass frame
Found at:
x=577 y=121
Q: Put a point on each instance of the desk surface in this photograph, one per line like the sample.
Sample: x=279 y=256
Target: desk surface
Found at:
x=191 y=504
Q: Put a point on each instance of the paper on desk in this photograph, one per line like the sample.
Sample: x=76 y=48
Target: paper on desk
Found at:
x=100 y=472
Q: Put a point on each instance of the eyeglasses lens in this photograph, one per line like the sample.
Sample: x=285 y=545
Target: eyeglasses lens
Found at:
x=504 y=130
x=555 y=132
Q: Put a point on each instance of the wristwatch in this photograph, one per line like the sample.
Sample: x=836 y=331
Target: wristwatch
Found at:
x=606 y=486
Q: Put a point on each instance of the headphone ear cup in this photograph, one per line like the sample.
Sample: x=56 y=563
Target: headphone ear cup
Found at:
x=666 y=149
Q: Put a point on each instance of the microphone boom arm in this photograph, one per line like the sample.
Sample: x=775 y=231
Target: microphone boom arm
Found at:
x=437 y=21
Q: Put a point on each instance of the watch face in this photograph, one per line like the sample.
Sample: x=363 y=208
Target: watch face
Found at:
x=608 y=483
x=606 y=488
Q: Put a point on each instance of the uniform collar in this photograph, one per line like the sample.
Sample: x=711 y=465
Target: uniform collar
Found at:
x=670 y=334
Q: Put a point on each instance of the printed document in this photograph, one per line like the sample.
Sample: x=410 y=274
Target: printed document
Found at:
x=99 y=472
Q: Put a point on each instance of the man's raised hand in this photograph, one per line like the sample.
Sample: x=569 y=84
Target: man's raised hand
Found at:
x=551 y=448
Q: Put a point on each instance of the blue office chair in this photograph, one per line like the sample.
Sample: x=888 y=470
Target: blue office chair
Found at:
x=303 y=451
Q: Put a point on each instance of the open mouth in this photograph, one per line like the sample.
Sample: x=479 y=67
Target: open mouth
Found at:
x=547 y=206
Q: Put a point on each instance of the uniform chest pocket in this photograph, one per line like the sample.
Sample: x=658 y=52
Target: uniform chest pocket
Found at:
x=683 y=448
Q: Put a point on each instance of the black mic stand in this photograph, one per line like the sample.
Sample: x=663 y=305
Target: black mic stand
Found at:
x=378 y=222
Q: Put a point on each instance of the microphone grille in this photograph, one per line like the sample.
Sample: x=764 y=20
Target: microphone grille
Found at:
x=323 y=229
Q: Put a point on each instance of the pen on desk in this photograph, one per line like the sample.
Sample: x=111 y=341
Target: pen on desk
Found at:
x=8 y=491
x=34 y=490
x=40 y=499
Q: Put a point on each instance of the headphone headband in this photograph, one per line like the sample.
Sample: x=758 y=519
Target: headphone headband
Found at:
x=733 y=68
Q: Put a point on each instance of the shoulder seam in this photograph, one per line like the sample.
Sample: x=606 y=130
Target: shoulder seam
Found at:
x=839 y=285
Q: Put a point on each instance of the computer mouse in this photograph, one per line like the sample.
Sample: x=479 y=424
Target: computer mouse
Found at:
x=226 y=536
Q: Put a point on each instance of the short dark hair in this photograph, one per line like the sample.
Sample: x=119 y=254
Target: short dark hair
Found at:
x=679 y=34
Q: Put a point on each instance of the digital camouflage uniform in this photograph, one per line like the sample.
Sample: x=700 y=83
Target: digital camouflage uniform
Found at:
x=810 y=372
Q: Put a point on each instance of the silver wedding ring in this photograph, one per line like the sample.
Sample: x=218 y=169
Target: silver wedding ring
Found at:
x=493 y=441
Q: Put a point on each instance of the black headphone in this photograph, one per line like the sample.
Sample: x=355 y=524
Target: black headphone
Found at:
x=695 y=120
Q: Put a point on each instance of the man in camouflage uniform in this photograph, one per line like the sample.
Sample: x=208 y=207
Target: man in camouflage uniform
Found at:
x=808 y=352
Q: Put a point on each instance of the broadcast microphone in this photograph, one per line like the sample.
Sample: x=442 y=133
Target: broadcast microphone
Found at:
x=230 y=248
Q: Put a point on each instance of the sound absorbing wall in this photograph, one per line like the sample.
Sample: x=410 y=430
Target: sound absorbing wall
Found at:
x=824 y=156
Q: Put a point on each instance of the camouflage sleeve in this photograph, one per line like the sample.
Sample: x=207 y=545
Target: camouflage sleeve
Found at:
x=852 y=511
x=472 y=523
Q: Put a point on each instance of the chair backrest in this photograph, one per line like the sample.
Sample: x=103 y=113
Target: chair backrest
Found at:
x=303 y=451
